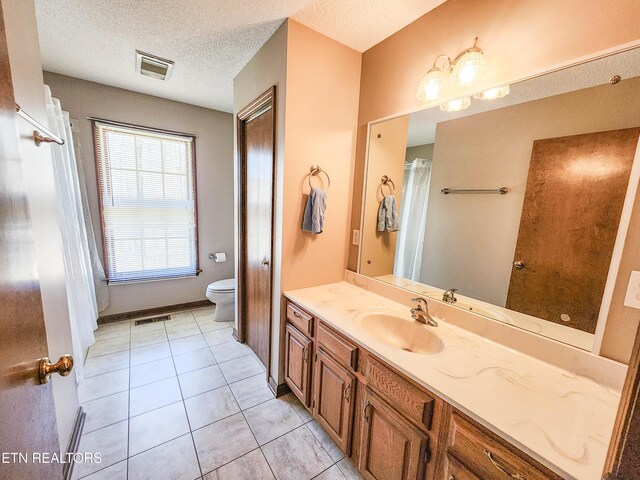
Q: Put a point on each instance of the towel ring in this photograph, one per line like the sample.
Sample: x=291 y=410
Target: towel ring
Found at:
x=315 y=171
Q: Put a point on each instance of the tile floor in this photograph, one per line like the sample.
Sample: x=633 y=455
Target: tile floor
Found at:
x=183 y=400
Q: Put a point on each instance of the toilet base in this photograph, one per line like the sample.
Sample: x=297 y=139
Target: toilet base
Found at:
x=225 y=312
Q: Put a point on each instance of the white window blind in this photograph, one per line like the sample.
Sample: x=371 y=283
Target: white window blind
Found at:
x=148 y=205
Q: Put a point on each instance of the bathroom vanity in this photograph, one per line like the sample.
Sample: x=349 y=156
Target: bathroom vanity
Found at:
x=409 y=401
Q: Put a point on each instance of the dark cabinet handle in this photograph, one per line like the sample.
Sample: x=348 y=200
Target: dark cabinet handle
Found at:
x=305 y=354
x=346 y=393
x=296 y=314
x=501 y=467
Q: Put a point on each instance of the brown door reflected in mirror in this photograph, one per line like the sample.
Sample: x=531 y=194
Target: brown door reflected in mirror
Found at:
x=574 y=197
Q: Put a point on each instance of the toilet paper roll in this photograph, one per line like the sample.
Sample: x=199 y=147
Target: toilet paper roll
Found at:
x=220 y=257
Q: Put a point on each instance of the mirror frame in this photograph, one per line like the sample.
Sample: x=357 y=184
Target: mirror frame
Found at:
x=625 y=217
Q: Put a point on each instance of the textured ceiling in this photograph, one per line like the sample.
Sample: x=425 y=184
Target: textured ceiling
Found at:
x=422 y=124
x=209 y=41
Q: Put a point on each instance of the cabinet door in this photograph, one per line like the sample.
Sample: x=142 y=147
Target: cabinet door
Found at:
x=391 y=448
x=334 y=394
x=297 y=367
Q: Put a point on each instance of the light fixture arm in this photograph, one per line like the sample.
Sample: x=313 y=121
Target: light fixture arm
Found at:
x=446 y=57
x=474 y=48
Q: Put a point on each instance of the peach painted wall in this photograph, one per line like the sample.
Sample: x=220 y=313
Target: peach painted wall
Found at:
x=323 y=80
x=520 y=39
x=387 y=152
x=317 y=85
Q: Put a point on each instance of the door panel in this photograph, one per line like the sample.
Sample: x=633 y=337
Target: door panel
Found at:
x=575 y=193
x=297 y=367
x=334 y=391
x=391 y=448
x=27 y=416
x=258 y=211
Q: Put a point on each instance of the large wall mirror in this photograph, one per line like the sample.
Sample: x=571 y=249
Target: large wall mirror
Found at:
x=520 y=203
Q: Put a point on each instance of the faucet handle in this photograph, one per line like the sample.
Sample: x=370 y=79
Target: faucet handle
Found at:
x=421 y=301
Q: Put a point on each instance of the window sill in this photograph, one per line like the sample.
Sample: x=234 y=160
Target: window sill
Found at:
x=150 y=280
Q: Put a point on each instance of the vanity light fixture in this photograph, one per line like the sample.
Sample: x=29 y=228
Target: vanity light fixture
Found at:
x=493 y=93
x=460 y=72
x=456 y=105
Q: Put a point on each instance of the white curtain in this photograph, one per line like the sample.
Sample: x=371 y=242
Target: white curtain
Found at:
x=81 y=297
x=99 y=277
x=413 y=218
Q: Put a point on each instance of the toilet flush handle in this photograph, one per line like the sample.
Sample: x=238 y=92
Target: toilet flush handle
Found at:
x=265 y=263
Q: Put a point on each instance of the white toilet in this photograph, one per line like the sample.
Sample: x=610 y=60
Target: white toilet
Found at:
x=223 y=294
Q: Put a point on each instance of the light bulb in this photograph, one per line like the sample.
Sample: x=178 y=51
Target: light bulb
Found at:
x=467 y=68
x=493 y=93
x=456 y=105
x=433 y=85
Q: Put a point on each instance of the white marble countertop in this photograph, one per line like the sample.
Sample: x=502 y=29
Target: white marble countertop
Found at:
x=561 y=419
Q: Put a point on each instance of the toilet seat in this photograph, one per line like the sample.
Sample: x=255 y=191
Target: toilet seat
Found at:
x=222 y=286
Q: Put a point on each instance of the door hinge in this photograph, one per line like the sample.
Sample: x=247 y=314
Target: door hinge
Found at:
x=316 y=356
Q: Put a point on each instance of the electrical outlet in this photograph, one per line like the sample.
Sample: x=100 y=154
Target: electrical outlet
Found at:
x=356 y=237
x=632 y=298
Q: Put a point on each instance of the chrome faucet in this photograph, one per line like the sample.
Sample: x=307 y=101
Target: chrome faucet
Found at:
x=422 y=314
x=450 y=296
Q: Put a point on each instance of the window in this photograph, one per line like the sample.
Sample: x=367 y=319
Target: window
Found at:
x=147 y=201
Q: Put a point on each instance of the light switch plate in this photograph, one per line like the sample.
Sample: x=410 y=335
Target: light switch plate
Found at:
x=632 y=298
x=355 y=239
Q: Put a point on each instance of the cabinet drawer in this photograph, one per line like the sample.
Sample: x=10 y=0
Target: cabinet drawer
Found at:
x=337 y=346
x=406 y=398
x=487 y=457
x=302 y=320
x=456 y=471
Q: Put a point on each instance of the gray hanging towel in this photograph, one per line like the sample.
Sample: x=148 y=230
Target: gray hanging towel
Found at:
x=313 y=219
x=388 y=215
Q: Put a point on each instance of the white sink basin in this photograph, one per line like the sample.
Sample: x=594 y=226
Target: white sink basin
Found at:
x=397 y=332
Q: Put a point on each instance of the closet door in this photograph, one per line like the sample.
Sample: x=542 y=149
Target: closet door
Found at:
x=256 y=144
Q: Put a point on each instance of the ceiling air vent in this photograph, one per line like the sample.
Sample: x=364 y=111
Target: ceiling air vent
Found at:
x=153 y=66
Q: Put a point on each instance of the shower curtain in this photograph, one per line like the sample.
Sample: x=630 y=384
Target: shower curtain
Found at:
x=81 y=294
x=413 y=218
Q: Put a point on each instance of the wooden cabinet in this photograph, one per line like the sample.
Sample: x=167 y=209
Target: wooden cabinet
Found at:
x=392 y=427
x=475 y=451
x=334 y=399
x=297 y=364
x=391 y=448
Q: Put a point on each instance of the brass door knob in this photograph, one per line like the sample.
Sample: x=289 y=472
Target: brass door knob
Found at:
x=518 y=264
x=62 y=366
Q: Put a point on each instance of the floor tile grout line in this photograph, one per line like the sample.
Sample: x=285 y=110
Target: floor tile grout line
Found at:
x=293 y=430
x=184 y=405
x=231 y=461
x=335 y=464
x=129 y=407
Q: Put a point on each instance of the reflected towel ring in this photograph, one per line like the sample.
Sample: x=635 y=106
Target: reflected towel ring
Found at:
x=385 y=180
x=315 y=171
